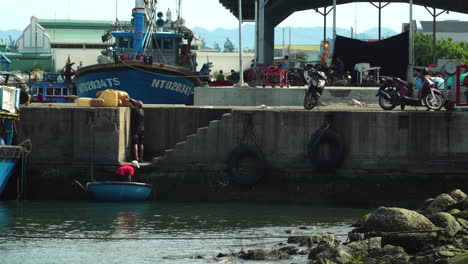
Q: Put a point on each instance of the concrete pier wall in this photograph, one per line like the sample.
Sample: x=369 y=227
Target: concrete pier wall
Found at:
x=294 y=96
x=389 y=156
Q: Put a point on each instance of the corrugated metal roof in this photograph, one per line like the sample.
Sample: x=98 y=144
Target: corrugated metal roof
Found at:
x=288 y=6
x=69 y=23
x=446 y=26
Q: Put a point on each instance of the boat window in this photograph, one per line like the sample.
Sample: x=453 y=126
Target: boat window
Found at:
x=65 y=91
x=50 y=91
x=168 y=43
x=124 y=42
x=58 y=91
x=157 y=43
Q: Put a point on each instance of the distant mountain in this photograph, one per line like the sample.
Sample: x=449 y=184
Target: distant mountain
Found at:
x=299 y=36
x=5 y=35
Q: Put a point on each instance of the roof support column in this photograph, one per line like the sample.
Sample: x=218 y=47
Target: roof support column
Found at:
x=334 y=23
x=409 y=76
x=241 y=68
x=260 y=54
x=380 y=7
x=256 y=35
x=434 y=40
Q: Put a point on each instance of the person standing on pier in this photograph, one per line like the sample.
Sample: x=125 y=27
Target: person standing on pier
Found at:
x=137 y=117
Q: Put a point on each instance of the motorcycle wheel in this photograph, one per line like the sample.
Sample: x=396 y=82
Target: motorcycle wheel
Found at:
x=310 y=100
x=388 y=104
x=433 y=102
x=294 y=79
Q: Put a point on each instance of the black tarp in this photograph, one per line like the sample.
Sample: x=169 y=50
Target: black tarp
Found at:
x=390 y=54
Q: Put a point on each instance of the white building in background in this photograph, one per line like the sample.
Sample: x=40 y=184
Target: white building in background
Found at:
x=457 y=30
x=34 y=39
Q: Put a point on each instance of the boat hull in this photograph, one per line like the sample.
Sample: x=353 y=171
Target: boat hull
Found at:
x=119 y=191
x=150 y=83
x=7 y=166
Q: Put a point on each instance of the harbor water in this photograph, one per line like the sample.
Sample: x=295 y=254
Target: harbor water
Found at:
x=85 y=232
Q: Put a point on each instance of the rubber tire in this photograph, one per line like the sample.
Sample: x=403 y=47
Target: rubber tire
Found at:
x=336 y=141
x=239 y=153
x=393 y=103
x=310 y=96
x=426 y=99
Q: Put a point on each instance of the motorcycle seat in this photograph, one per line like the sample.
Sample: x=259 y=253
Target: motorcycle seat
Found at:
x=405 y=83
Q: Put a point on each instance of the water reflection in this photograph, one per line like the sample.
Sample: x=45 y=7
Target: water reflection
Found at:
x=4 y=218
x=154 y=232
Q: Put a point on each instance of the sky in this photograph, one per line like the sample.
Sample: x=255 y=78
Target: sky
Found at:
x=210 y=14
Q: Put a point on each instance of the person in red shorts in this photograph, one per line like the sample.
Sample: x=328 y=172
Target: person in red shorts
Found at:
x=126 y=171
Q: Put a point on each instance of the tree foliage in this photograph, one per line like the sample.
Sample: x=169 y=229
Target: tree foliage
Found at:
x=301 y=56
x=216 y=46
x=445 y=49
x=229 y=46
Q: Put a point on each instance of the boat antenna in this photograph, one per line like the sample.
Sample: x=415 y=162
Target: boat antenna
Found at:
x=179 y=10
x=116 y=10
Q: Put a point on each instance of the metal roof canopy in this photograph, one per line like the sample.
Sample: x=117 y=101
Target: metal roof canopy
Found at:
x=286 y=7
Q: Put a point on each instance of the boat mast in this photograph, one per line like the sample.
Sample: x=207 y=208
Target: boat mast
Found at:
x=139 y=13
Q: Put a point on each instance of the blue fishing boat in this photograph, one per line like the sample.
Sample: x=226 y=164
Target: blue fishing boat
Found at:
x=153 y=63
x=114 y=191
x=6 y=169
x=51 y=90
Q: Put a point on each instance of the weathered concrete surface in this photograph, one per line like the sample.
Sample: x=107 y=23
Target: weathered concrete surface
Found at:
x=168 y=125
x=293 y=96
x=390 y=156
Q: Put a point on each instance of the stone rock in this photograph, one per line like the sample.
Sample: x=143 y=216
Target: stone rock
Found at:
x=440 y=204
x=361 y=221
x=256 y=254
x=289 y=250
x=454 y=211
x=458 y=195
x=389 y=254
x=465 y=205
x=463 y=222
x=364 y=246
x=400 y=227
x=446 y=221
x=460 y=259
x=445 y=253
x=317 y=239
x=462 y=214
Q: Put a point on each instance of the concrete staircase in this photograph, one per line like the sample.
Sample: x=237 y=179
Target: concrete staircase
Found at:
x=208 y=144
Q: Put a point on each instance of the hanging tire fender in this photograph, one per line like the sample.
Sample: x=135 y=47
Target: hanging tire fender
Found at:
x=246 y=174
x=317 y=140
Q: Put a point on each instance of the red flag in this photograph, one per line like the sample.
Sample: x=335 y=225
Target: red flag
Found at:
x=68 y=60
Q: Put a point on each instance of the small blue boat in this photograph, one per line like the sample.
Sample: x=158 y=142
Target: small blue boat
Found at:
x=115 y=191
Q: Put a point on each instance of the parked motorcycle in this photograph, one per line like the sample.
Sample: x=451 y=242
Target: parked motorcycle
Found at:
x=343 y=79
x=316 y=80
x=394 y=91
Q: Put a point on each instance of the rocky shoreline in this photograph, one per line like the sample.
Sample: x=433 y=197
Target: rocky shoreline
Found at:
x=435 y=233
